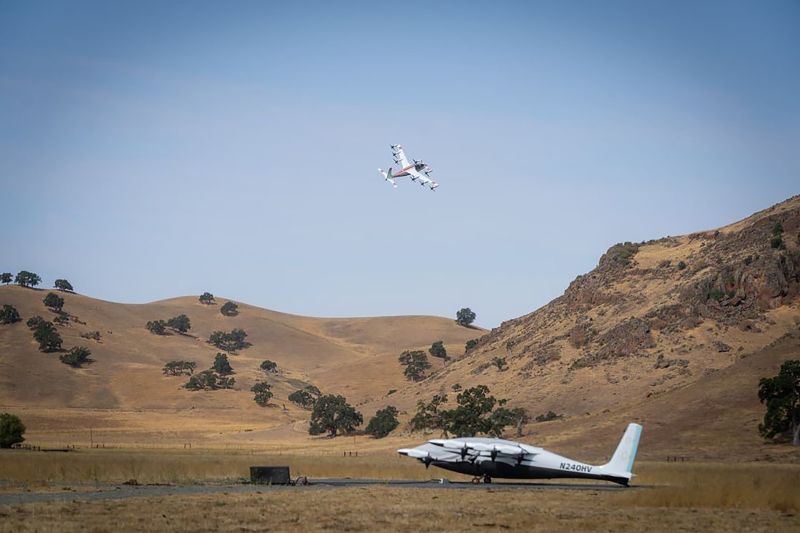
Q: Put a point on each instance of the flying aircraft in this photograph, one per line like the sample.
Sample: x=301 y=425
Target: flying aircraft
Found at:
x=417 y=171
x=487 y=458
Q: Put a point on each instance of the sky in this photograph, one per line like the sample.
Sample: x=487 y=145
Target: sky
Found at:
x=157 y=149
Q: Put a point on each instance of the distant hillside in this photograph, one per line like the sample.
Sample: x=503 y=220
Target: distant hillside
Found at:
x=660 y=332
x=125 y=397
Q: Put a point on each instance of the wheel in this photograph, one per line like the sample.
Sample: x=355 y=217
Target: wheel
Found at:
x=487 y=479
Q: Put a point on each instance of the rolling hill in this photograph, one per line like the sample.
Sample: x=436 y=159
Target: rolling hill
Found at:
x=674 y=333
x=124 y=396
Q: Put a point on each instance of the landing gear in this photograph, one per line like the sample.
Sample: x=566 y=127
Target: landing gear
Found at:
x=486 y=478
x=482 y=479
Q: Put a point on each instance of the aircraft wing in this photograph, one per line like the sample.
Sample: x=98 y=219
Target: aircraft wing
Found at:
x=422 y=178
x=399 y=156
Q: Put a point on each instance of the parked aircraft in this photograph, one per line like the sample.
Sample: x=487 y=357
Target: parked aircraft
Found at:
x=417 y=171
x=485 y=458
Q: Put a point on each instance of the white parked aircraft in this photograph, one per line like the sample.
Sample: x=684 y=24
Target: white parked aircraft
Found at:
x=417 y=171
x=488 y=458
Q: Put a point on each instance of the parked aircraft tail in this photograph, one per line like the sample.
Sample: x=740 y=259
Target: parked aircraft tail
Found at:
x=621 y=463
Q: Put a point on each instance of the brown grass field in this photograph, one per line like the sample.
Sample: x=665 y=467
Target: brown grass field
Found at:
x=686 y=496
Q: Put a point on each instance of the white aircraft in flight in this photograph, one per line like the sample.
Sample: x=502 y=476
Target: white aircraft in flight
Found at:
x=487 y=458
x=417 y=171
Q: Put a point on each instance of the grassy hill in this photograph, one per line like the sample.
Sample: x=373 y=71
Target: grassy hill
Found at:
x=674 y=333
x=124 y=396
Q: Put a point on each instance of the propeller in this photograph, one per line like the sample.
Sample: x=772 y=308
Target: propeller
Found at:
x=459 y=445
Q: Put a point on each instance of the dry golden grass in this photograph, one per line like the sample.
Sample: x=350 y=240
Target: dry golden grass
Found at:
x=384 y=508
x=687 y=496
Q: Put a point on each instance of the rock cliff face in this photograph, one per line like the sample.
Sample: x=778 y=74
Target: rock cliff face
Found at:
x=651 y=317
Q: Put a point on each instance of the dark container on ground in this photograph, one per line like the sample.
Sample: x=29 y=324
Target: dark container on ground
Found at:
x=270 y=475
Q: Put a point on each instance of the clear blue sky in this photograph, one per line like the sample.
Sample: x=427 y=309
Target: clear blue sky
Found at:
x=156 y=149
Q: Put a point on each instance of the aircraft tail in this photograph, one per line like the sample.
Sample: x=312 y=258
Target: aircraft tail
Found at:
x=621 y=463
x=388 y=176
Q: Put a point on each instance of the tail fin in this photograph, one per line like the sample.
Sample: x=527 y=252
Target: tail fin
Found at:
x=621 y=462
x=387 y=175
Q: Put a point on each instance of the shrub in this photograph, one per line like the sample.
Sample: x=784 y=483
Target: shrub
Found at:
x=47 y=336
x=230 y=342
x=269 y=366
x=180 y=323
x=93 y=335
x=34 y=321
x=229 y=309
x=27 y=279
x=548 y=416
x=63 y=285
x=222 y=365
x=305 y=397
x=177 y=368
x=415 y=363
x=157 y=327
x=54 y=301
x=9 y=315
x=209 y=380
x=465 y=317
x=470 y=344
x=76 y=357
x=437 y=349
x=332 y=414
x=500 y=363
x=206 y=298
x=262 y=393
x=11 y=430
x=383 y=423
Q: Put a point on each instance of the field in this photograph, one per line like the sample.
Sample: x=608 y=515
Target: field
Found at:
x=692 y=496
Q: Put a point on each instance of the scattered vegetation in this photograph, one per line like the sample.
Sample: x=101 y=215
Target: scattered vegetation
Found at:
x=305 y=397
x=54 y=302
x=548 y=416
x=46 y=335
x=34 y=321
x=9 y=314
x=209 y=380
x=415 y=363
x=229 y=309
x=510 y=347
x=76 y=357
x=781 y=394
x=438 y=350
x=230 y=342
x=621 y=253
x=262 y=393
x=63 y=285
x=332 y=415
x=6 y=278
x=456 y=387
x=429 y=414
x=681 y=265
x=470 y=344
x=477 y=412
x=500 y=363
x=27 y=279
x=178 y=368
x=777 y=237
x=465 y=317
x=11 y=430
x=206 y=298
x=93 y=335
x=222 y=365
x=156 y=327
x=383 y=423
x=180 y=323
x=269 y=367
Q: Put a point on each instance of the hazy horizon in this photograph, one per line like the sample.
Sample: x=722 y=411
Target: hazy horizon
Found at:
x=151 y=150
